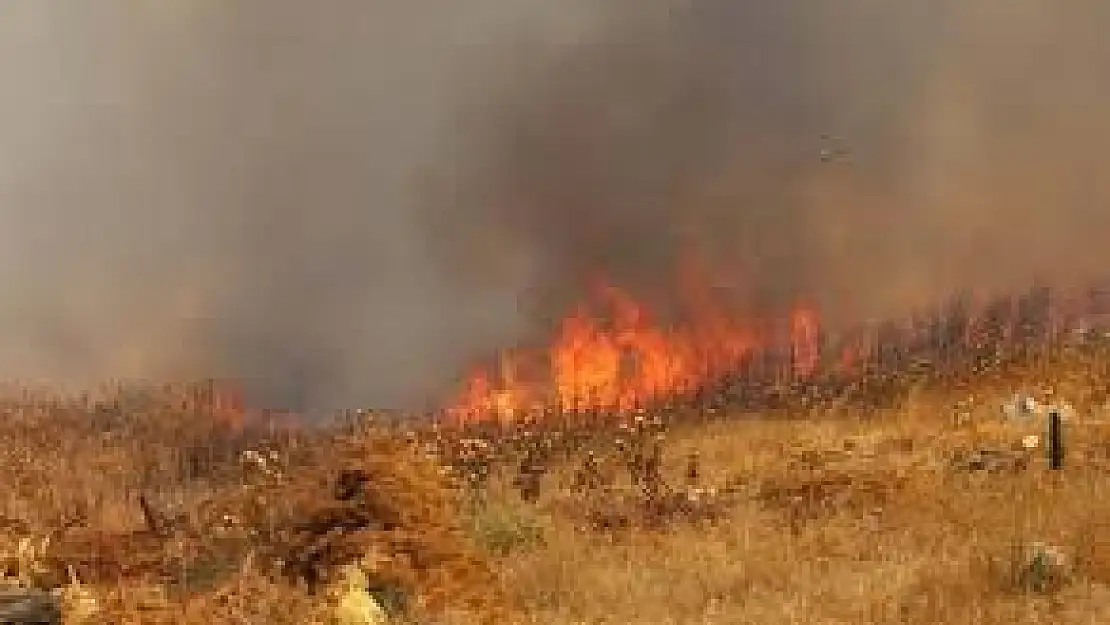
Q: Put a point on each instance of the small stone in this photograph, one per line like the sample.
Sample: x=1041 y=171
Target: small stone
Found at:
x=352 y=602
x=1020 y=407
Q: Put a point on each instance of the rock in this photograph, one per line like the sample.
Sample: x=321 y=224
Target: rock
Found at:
x=1024 y=407
x=1021 y=407
x=27 y=605
x=351 y=601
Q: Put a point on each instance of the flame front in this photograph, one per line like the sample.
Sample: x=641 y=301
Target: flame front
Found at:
x=610 y=354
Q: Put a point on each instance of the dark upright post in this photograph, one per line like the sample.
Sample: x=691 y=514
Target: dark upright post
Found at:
x=1055 y=440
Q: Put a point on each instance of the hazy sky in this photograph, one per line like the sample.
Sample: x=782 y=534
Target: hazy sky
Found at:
x=347 y=201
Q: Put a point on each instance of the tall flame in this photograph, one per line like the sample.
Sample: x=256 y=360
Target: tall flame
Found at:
x=611 y=353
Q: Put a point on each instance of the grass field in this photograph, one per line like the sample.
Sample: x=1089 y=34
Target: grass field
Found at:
x=151 y=515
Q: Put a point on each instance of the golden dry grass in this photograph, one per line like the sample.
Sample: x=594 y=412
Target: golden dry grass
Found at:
x=833 y=518
x=884 y=538
x=234 y=541
x=841 y=519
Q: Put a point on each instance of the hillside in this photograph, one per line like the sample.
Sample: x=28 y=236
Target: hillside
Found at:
x=939 y=508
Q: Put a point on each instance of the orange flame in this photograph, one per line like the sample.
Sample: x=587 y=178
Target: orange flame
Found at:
x=610 y=353
x=805 y=337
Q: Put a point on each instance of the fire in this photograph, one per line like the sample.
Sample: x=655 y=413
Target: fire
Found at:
x=612 y=353
x=805 y=340
x=497 y=394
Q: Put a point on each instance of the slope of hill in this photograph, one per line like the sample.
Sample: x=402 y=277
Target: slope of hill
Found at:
x=937 y=508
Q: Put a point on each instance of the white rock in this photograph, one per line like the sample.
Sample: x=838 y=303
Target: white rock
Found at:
x=1029 y=405
x=352 y=603
x=1020 y=407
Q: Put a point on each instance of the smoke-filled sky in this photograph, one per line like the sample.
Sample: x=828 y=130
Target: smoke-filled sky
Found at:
x=348 y=201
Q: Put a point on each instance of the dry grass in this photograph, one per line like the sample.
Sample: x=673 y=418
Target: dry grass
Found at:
x=883 y=533
x=226 y=537
x=843 y=519
x=834 y=518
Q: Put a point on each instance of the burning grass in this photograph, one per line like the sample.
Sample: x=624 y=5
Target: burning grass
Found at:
x=905 y=494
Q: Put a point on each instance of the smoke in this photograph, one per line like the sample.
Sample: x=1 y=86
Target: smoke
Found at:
x=343 y=203
x=213 y=188
x=972 y=131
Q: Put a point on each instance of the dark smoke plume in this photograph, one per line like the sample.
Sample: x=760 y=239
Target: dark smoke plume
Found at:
x=971 y=130
x=345 y=202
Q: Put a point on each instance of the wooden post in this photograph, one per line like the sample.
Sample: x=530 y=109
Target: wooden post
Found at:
x=1055 y=446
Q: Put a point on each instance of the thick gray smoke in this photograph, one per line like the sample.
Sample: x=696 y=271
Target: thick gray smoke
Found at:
x=346 y=201
x=214 y=188
x=972 y=131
